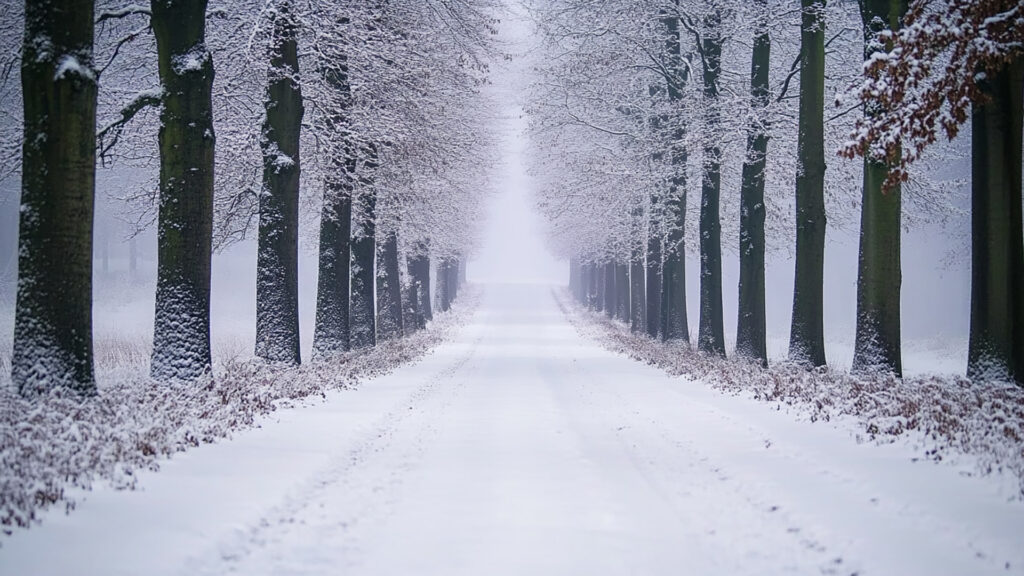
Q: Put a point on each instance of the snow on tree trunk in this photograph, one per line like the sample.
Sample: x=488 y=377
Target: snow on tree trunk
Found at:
x=622 y=291
x=53 y=318
x=806 y=338
x=419 y=272
x=364 y=239
x=711 y=334
x=751 y=340
x=277 y=270
x=996 y=349
x=674 y=321
x=444 y=285
x=332 y=331
x=653 y=300
x=389 y=289
x=637 y=286
x=181 y=329
x=609 y=288
x=454 y=280
x=877 y=344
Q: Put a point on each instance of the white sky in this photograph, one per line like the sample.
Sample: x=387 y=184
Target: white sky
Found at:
x=513 y=248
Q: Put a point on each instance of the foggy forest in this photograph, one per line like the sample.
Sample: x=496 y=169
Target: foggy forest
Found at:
x=511 y=287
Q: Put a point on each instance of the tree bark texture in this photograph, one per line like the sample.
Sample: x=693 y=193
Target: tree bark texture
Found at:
x=53 y=315
x=609 y=288
x=674 y=321
x=654 y=263
x=363 y=317
x=637 y=279
x=181 y=328
x=711 y=334
x=445 y=289
x=996 y=348
x=806 y=337
x=877 y=343
x=332 y=330
x=419 y=275
x=389 y=290
x=751 y=340
x=277 y=264
x=622 y=291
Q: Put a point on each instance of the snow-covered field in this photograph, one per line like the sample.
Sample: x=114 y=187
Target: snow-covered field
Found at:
x=522 y=447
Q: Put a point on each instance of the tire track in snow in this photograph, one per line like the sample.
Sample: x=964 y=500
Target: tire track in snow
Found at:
x=275 y=544
x=719 y=523
x=838 y=498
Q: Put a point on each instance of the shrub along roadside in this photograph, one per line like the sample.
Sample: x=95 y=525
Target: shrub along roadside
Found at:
x=57 y=442
x=941 y=416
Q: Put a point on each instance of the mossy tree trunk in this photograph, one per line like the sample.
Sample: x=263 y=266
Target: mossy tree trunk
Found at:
x=711 y=334
x=751 y=340
x=806 y=337
x=53 y=316
x=996 y=349
x=877 y=344
x=277 y=264
x=181 y=328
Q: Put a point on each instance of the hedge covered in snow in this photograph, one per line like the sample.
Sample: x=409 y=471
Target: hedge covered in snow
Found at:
x=942 y=416
x=52 y=444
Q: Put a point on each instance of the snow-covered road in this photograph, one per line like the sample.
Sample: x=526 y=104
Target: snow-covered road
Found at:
x=522 y=448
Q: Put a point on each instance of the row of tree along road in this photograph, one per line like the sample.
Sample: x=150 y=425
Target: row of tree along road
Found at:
x=382 y=99
x=631 y=92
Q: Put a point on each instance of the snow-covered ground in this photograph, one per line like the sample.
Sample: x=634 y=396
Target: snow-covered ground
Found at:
x=521 y=447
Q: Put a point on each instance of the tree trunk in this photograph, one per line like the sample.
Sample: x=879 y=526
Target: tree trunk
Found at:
x=444 y=284
x=996 y=350
x=877 y=344
x=363 y=316
x=751 y=340
x=454 y=280
x=389 y=289
x=637 y=285
x=653 y=321
x=332 y=331
x=806 y=337
x=181 y=328
x=711 y=334
x=277 y=265
x=53 y=317
x=609 y=289
x=419 y=274
x=674 y=321
x=622 y=291
x=594 y=291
